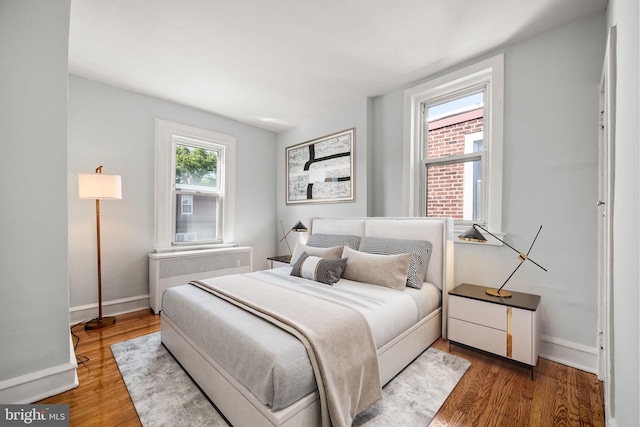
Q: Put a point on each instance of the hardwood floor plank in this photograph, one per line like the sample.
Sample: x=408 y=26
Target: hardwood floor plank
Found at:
x=102 y=398
x=522 y=401
x=493 y=392
x=539 y=390
x=585 y=414
x=573 y=401
x=596 y=397
x=561 y=415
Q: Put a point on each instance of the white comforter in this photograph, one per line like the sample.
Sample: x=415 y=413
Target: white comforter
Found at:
x=388 y=311
x=270 y=362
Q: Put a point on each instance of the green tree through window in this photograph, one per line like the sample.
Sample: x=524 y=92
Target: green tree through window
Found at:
x=196 y=166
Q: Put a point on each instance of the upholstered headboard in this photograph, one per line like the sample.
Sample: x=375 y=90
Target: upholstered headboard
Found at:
x=438 y=231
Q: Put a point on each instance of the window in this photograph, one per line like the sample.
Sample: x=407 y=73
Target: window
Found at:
x=195 y=178
x=453 y=148
x=186 y=205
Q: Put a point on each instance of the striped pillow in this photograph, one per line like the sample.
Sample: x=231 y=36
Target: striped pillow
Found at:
x=329 y=240
x=420 y=251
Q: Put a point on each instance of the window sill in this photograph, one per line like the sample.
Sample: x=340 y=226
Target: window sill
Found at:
x=182 y=248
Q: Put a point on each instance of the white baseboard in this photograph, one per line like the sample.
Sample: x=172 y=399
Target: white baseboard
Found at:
x=569 y=353
x=39 y=385
x=82 y=313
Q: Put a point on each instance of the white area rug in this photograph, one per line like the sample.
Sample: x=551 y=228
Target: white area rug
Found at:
x=164 y=395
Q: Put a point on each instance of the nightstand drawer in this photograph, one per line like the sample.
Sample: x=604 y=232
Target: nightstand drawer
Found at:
x=478 y=336
x=482 y=313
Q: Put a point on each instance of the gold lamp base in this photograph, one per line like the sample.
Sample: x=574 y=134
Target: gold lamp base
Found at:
x=103 y=322
x=498 y=293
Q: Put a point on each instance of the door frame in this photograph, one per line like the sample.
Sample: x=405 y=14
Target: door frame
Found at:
x=606 y=175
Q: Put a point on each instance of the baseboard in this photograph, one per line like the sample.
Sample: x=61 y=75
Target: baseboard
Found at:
x=39 y=385
x=83 y=313
x=569 y=353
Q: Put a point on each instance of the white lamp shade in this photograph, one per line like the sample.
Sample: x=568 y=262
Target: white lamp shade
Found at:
x=99 y=186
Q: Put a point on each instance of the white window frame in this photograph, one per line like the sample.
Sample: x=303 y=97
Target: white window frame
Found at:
x=469 y=140
x=183 y=204
x=488 y=73
x=167 y=133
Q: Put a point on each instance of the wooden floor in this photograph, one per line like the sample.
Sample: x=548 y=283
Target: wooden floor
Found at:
x=493 y=392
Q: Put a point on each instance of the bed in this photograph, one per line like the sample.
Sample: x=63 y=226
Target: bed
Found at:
x=253 y=372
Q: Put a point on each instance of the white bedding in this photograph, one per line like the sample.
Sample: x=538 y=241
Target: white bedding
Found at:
x=271 y=363
x=225 y=351
x=388 y=312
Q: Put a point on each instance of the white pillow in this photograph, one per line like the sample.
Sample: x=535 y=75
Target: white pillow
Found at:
x=383 y=270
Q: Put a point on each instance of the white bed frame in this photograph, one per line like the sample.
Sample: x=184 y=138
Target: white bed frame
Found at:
x=239 y=405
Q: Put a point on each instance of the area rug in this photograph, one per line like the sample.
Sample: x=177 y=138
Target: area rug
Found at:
x=164 y=395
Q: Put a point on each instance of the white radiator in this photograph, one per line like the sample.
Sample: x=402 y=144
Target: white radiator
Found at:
x=178 y=268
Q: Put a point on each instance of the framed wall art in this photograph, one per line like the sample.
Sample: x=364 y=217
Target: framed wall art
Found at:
x=321 y=170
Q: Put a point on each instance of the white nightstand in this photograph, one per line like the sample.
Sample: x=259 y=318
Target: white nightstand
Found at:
x=508 y=327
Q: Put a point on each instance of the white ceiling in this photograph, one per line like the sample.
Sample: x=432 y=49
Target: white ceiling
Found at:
x=277 y=63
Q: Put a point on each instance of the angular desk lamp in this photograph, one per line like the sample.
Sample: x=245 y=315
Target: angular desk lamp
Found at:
x=299 y=228
x=473 y=235
x=99 y=186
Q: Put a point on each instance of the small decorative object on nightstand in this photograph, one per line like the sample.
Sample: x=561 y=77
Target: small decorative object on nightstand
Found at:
x=473 y=235
x=278 y=261
x=508 y=327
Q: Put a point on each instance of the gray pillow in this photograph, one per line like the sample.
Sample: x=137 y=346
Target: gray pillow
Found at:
x=328 y=240
x=333 y=252
x=321 y=270
x=420 y=251
x=383 y=270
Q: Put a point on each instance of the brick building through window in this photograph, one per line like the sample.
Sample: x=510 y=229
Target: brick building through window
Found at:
x=453 y=188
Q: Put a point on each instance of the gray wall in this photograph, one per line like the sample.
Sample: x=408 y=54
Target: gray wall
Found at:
x=355 y=116
x=34 y=293
x=549 y=175
x=624 y=14
x=115 y=128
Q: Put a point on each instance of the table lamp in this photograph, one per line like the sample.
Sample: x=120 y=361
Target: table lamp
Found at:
x=299 y=228
x=473 y=235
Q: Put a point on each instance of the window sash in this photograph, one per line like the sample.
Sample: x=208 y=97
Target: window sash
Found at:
x=466 y=200
x=217 y=232
x=192 y=143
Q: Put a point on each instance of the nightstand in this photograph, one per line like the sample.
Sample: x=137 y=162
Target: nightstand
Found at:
x=278 y=261
x=507 y=327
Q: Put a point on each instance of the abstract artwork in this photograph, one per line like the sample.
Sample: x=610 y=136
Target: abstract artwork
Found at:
x=321 y=171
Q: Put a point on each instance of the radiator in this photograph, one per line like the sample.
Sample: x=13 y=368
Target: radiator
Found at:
x=178 y=268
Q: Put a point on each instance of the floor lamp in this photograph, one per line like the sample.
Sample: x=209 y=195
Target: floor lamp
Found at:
x=99 y=186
